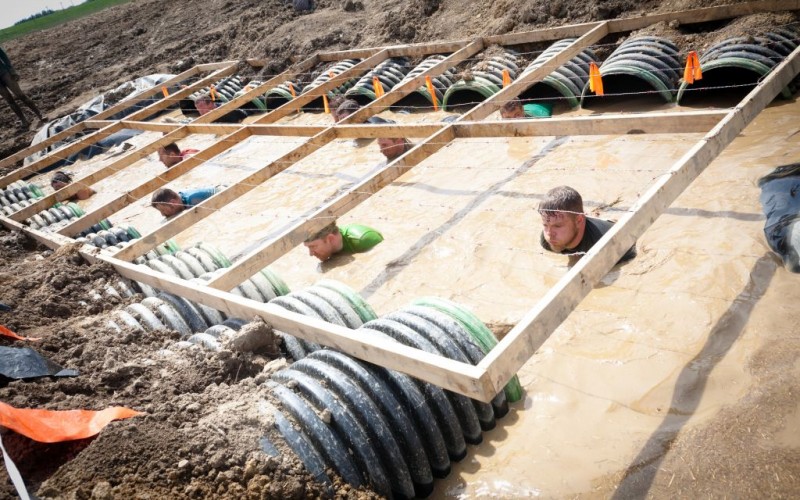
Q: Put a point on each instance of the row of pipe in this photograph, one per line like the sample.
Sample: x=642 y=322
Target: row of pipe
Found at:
x=288 y=90
x=19 y=192
x=388 y=74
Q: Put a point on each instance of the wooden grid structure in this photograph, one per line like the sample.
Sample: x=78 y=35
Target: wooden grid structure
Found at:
x=488 y=377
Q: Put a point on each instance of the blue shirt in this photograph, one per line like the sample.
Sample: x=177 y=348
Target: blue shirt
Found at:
x=194 y=196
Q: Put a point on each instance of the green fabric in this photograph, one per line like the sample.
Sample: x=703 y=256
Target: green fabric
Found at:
x=532 y=110
x=359 y=238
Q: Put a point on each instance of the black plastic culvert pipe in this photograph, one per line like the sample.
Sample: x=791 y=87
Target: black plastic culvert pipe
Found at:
x=740 y=61
x=362 y=91
x=643 y=65
x=482 y=81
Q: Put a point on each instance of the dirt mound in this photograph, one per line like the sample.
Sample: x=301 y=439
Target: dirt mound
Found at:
x=204 y=418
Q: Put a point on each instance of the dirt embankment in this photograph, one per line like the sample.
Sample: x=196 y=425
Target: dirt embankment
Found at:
x=62 y=67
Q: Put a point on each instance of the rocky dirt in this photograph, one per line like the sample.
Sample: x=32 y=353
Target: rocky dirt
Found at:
x=202 y=426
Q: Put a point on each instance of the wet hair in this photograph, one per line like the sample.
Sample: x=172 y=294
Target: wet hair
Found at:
x=164 y=195
x=61 y=176
x=331 y=228
x=512 y=105
x=172 y=148
x=347 y=107
x=561 y=199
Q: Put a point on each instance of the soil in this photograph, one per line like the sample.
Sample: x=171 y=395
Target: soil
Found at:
x=191 y=443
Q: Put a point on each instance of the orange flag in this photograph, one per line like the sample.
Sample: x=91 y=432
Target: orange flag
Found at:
x=692 y=71
x=5 y=332
x=213 y=93
x=377 y=86
x=291 y=89
x=54 y=426
x=165 y=92
x=506 y=78
x=595 y=80
x=325 y=103
x=429 y=84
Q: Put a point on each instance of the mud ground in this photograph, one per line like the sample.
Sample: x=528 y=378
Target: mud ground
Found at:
x=200 y=434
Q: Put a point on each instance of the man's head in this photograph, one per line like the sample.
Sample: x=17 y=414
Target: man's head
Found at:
x=562 y=218
x=204 y=105
x=392 y=148
x=345 y=109
x=60 y=180
x=170 y=154
x=325 y=242
x=512 y=109
x=167 y=201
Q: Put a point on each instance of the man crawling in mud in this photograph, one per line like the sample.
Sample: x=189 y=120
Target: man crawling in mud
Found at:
x=169 y=202
x=567 y=230
x=348 y=239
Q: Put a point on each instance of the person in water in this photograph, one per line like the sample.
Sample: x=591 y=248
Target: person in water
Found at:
x=567 y=230
x=348 y=239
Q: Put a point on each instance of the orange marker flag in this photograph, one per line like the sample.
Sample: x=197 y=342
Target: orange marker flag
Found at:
x=692 y=71
x=429 y=84
x=213 y=93
x=331 y=75
x=325 y=103
x=377 y=86
x=54 y=426
x=165 y=92
x=506 y=78
x=595 y=80
x=5 y=332
x=291 y=89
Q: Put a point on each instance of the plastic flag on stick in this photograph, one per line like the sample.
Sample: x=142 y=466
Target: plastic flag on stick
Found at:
x=692 y=71
x=432 y=91
x=595 y=80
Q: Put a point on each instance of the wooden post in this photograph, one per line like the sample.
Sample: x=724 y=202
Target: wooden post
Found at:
x=276 y=247
x=306 y=97
x=412 y=85
x=496 y=102
x=156 y=182
x=238 y=102
x=227 y=195
x=538 y=324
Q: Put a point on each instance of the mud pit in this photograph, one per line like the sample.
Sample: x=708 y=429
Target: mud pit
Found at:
x=676 y=363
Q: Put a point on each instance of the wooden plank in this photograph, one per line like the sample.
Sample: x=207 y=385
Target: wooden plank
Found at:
x=306 y=97
x=341 y=55
x=217 y=65
x=50 y=240
x=78 y=127
x=455 y=376
x=276 y=247
x=612 y=124
x=523 y=82
x=238 y=102
x=227 y=195
x=411 y=130
x=24 y=153
x=691 y=16
x=397 y=93
x=98 y=175
x=162 y=104
x=426 y=49
x=59 y=154
x=288 y=130
x=537 y=325
x=156 y=182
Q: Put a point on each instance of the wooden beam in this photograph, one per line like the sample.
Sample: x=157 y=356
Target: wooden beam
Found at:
x=217 y=65
x=156 y=182
x=59 y=154
x=392 y=130
x=107 y=171
x=519 y=85
x=691 y=16
x=240 y=101
x=397 y=93
x=306 y=97
x=426 y=49
x=453 y=375
x=341 y=55
x=162 y=104
x=24 y=153
x=276 y=247
x=538 y=324
x=227 y=195
x=612 y=124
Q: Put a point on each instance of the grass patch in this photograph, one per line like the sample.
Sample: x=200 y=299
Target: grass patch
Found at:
x=56 y=18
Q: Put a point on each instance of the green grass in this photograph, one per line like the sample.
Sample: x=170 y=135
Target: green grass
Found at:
x=56 y=18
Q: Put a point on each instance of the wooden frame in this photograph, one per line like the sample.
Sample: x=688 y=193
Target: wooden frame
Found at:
x=488 y=377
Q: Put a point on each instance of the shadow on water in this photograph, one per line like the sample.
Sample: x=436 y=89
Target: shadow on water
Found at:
x=394 y=267
x=691 y=382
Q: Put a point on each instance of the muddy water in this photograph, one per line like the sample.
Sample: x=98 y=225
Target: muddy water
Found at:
x=635 y=359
